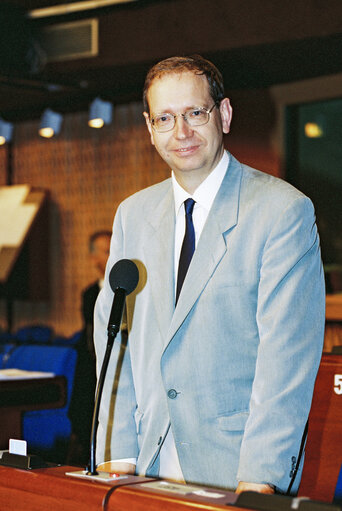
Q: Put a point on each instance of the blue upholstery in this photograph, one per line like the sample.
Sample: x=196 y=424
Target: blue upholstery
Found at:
x=5 y=353
x=73 y=340
x=34 y=334
x=46 y=430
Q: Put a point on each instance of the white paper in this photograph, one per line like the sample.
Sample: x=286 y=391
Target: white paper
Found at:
x=18 y=447
x=101 y=477
x=21 y=374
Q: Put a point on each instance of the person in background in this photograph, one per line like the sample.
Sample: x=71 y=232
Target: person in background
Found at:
x=99 y=244
x=82 y=401
x=214 y=381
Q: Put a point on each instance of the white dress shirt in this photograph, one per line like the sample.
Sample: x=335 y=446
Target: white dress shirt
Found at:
x=204 y=197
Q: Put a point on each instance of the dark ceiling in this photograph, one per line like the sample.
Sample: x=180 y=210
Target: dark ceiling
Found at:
x=255 y=43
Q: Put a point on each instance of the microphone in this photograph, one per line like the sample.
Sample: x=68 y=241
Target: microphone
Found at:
x=123 y=279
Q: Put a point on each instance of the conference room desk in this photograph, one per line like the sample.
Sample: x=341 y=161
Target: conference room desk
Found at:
x=50 y=489
x=21 y=395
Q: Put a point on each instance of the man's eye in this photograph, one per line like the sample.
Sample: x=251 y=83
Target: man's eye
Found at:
x=196 y=113
x=162 y=118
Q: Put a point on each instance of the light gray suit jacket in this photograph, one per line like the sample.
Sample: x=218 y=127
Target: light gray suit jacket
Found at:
x=233 y=366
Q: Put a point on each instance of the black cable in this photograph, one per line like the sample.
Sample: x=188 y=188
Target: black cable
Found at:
x=112 y=490
x=300 y=454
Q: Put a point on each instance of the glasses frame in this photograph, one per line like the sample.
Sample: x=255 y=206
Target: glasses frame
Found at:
x=206 y=110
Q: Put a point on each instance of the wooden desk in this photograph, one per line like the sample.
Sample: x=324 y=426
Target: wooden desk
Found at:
x=157 y=495
x=50 y=489
x=323 y=457
x=334 y=307
x=18 y=396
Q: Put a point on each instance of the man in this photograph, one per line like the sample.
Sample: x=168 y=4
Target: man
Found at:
x=215 y=381
x=82 y=402
x=99 y=245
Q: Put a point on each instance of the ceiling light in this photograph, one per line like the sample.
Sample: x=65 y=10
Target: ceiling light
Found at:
x=100 y=113
x=50 y=123
x=6 y=130
x=71 y=7
x=313 y=130
x=316 y=127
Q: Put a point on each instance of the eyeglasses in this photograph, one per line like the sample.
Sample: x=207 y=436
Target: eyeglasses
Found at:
x=194 y=117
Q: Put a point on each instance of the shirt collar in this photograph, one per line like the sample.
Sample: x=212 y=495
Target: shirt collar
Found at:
x=205 y=194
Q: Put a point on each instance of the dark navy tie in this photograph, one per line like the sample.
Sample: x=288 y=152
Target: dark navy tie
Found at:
x=188 y=246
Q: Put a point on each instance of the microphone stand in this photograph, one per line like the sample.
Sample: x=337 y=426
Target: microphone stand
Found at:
x=112 y=330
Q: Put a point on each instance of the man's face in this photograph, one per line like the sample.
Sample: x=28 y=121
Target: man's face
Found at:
x=100 y=254
x=188 y=149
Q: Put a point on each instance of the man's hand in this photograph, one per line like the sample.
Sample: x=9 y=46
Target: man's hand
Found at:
x=260 y=488
x=117 y=466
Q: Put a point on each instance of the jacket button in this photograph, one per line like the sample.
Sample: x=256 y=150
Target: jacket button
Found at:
x=172 y=394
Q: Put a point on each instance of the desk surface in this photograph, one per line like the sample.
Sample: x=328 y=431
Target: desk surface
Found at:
x=50 y=489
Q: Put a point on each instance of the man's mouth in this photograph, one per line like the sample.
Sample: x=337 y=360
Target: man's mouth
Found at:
x=186 y=150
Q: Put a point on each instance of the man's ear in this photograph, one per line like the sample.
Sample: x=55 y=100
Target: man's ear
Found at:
x=149 y=126
x=226 y=112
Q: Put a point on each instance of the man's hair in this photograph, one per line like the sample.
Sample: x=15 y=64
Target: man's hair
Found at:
x=95 y=236
x=193 y=63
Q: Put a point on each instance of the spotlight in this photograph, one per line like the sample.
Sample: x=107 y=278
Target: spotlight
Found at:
x=50 y=123
x=313 y=130
x=6 y=130
x=316 y=127
x=100 y=113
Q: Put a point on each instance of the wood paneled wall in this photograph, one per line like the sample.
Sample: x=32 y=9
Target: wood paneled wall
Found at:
x=89 y=172
x=3 y=164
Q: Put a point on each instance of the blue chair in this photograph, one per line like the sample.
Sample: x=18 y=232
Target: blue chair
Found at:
x=36 y=334
x=47 y=432
x=5 y=353
x=73 y=340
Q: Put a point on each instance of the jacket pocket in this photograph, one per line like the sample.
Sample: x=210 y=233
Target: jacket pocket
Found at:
x=234 y=422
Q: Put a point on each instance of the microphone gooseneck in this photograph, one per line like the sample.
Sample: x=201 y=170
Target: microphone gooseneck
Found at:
x=123 y=279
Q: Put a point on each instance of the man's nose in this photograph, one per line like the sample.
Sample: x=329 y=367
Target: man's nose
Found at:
x=182 y=129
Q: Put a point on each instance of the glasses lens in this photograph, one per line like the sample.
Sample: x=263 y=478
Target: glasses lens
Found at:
x=196 y=117
x=163 y=122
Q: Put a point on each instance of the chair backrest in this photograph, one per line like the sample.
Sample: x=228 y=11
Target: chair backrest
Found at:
x=323 y=458
x=34 y=334
x=73 y=340
x=5 y=352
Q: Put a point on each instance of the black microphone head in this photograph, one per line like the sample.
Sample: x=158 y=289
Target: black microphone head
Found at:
x=124 y=274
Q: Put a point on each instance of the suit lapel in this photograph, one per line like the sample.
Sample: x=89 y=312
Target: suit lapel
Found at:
x=159 y=249
x=211 y=247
